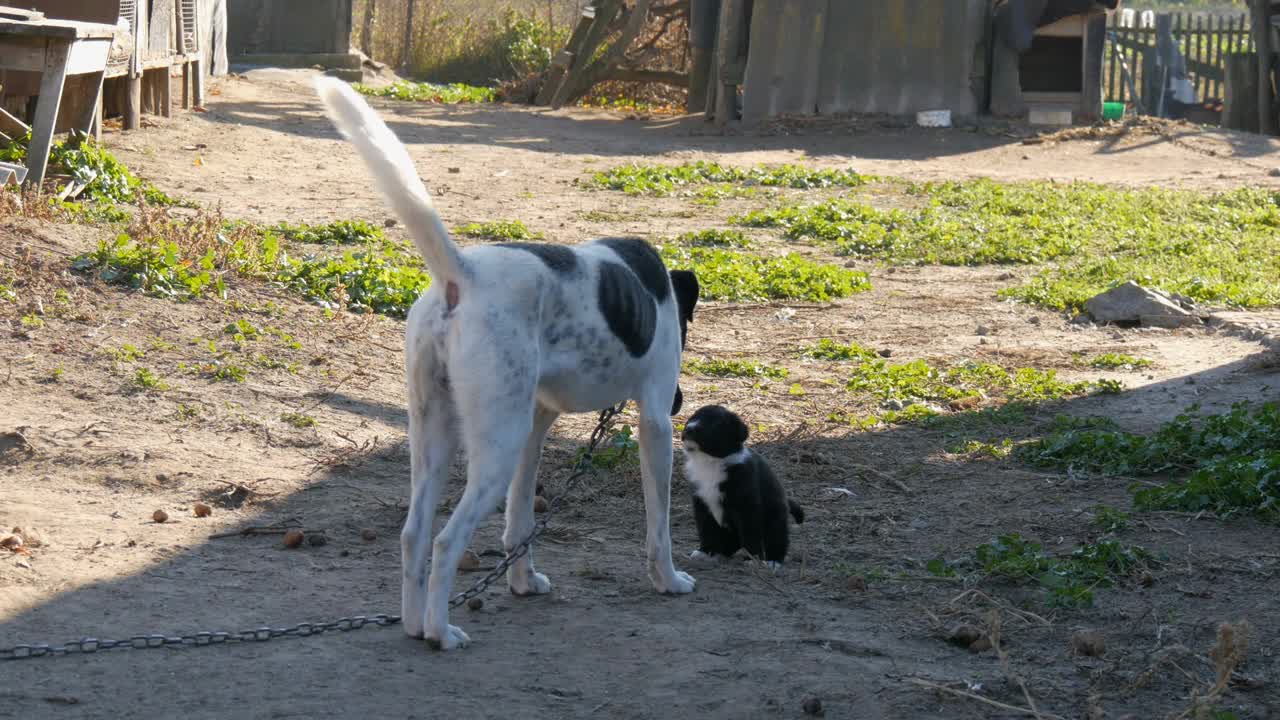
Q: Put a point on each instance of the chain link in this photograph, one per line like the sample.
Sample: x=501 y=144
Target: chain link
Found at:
x=85 y=646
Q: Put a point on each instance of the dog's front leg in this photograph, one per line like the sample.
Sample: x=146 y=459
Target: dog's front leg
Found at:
x=522 y=579
x=655 y=470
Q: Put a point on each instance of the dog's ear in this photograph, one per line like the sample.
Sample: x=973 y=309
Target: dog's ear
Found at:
x=685 y=284
x=740 y=429
x=679 y=402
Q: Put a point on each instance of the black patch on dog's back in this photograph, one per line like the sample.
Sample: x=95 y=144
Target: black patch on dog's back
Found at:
x=557 y=257
x=645 y=262
x=628 y=307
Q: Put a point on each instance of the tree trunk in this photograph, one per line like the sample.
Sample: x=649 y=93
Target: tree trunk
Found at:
x=406 y=54
x=366 y=27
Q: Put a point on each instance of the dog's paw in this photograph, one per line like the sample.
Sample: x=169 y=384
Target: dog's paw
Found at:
x=774 y=566
x=700 y=556
x=453 y=638
x=535 y=583
x=679 y=584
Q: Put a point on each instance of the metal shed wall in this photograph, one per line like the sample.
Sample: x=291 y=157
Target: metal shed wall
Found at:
x=288 y=26
x=890 y=56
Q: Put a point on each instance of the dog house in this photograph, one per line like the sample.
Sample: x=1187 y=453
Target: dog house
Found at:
x=1047 y=58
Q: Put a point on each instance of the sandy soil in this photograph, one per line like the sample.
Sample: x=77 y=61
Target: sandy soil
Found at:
x=86 y=460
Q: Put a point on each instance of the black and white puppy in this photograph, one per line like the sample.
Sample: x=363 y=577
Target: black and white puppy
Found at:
x=738 y=503
x=508 y=337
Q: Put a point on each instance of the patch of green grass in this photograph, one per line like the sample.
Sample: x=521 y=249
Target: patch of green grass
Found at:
x=1117 y=361
x=1220 y=248
x=338 y=232
x=919 y=381
x=146 y=380
x=740 y=277
x=31 y=320
x=386 y=280
x=664 y=180
x=609 y=216
x=242 y=331
x=57 y=374
x=186 y=412
x=104 y=177
x=734 y=368
x=1067 y=581
x=505 y=230
x=219 y=370
x=1228 y=463
x=299 y=420
x=450 y=94
x=828 y=349
x=715 y=237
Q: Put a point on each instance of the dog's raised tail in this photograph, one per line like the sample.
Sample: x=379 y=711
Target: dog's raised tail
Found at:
x=797 y=512
x=396 y=178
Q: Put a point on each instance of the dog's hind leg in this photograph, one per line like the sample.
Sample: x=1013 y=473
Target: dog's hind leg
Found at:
x=497 y=419
x=655 y=471
x=433 y=441
x=522 y=579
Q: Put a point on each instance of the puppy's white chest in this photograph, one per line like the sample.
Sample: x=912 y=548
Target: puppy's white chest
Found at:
x=706 y=473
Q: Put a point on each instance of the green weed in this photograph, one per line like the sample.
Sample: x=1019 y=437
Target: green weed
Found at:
x=386 y=280
x=664 y=180
x=1117 y=361
x=734 y=368
x=828 y=349
x=145 y=379
x=726 y=275
x=1109 y=519
x=299 y=420
x=620 y=450
x=450 y=94
x=1229 y=463
x=126 y=353
x=506 y=230
x=338 y=232
x=1067 y=581
x=715 y=238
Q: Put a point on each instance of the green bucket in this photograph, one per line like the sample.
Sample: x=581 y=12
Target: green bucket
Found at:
x=1112 y=110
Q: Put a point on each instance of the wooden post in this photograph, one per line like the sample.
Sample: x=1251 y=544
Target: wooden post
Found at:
x=1240 y=101
x=133 y=103
x=727 y=42
x=606 y=11
x=197 y=83
x=92 y=121
x=51 y=82
x=406 y=54
x=1262 y=40
x=186 y=85
x=366 y=27
x=561 y=63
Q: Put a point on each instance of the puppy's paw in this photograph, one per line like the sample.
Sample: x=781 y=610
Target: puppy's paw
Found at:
x=534 y=583
x=774 y=566
x=453 y=638
x=679 y=584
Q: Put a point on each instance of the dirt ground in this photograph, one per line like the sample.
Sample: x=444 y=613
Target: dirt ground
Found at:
x=86 y=461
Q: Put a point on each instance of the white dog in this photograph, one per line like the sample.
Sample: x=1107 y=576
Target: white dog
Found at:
x=509 y=337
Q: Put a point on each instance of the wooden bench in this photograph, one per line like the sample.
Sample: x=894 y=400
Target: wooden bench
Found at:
x=56 y=49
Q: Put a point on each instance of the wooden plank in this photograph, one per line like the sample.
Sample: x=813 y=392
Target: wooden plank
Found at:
x=22 y=53
x=564 y=59
x=1240 y=97
x=161 y=28
x=63 y=29
x=605 y=12
x=88 y=56
x=11 y=124
x=51 y=82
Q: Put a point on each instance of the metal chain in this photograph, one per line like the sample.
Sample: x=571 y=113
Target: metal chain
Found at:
x=581 y=469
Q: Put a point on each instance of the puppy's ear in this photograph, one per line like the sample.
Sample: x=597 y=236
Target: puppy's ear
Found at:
x=679 y=402
x=740 y=429
x=685 y=284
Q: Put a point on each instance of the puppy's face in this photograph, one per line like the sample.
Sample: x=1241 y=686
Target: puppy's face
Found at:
x=715 y=431
x=685 y=285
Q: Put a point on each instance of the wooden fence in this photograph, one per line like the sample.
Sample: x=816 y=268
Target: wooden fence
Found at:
x=1204 y=39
